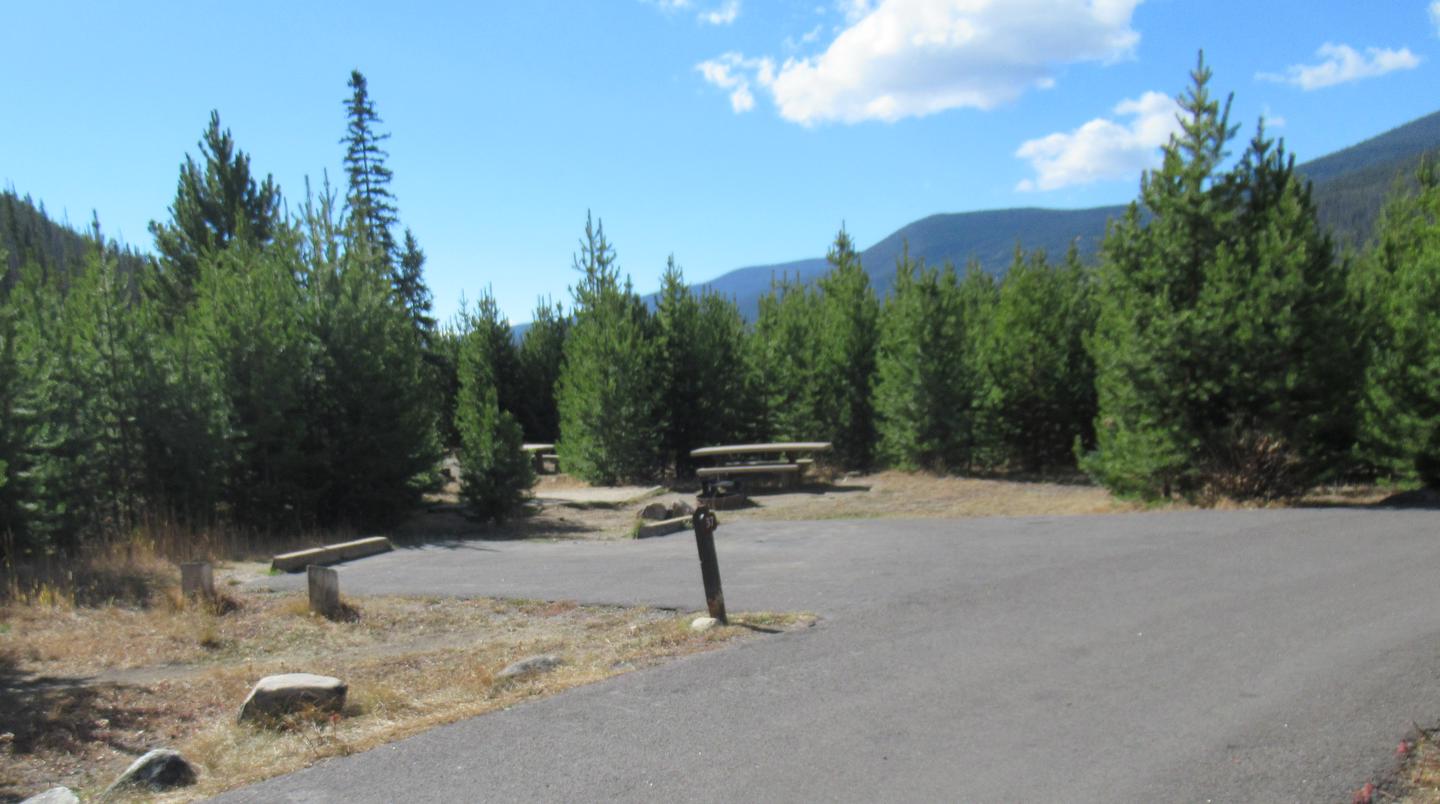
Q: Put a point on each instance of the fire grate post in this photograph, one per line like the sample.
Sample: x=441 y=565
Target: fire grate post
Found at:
x=704 y=522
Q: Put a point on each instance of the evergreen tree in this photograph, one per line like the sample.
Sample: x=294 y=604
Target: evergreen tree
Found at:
x=216 y=204
x=250 y=333
x=371 y=204
x=410 y=284
x=1221 y=332
x=782 y=360
x=542 y=352
x=496 y=474
x=374 y=430
x=727 y=403
x=682 y=368
x=1039 y=395
x=1399 y=286
x=846 y=318
x=608 y=397
x=920 y=368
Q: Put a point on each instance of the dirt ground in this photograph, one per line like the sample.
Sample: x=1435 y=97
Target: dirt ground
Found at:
x=884 y=494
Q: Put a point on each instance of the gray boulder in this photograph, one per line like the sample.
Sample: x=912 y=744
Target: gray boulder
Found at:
x=55 y=795
x=277 y=696
x=680 y=508
x=530 y=665
x=161 y=769
x=655 y=510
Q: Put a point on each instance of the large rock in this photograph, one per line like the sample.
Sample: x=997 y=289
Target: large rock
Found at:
x=158 y=770
x=277 y=696
x=655 y=510
x=55 y=795
x=680 y=508
x=529 y=666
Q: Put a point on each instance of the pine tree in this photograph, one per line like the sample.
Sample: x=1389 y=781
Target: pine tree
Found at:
x=542 y=352
x=1039 y=383
x=410 y=284
x=371 y=204
x=682 y=368
x=216 y=204
x=609 y=394
x=1399 y=289
x=1221 y=320
x=782 y=360
x=373 y=424
x=919 y=367
x=728 y=403
x=496 y=474
x=250 y=333
x=846 y=319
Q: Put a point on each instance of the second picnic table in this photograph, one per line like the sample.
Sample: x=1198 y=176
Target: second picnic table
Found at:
x=759 y=459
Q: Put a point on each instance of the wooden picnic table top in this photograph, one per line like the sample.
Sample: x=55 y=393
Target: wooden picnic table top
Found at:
x=747 y=449
x=537 y=447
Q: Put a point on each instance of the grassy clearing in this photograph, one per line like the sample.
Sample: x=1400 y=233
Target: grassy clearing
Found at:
x=86 y=690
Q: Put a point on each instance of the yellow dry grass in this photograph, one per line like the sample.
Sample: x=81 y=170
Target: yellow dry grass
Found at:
x=117 y=681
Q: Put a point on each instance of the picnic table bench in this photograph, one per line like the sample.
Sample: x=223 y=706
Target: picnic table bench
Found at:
x=759 y=459
x=541 y=453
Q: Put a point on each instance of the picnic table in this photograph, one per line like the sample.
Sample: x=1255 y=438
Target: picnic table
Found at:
x=541 y=453
x=759 y=459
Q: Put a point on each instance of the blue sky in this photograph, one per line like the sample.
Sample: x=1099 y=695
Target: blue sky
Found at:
x=727 y=132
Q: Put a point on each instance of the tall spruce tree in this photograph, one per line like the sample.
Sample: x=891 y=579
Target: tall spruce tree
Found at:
x=370 y=202
x=846 y=319
x=608 y=397
x=1399 y=289
x=216 y=204
x=495 y=473
x=372 y=208
x=1221 y=325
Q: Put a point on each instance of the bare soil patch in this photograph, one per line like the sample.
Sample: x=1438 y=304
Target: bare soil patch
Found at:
x=86 y=690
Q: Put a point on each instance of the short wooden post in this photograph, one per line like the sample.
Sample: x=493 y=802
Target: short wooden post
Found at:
x=704 y=522
x=197 y=579
x=324 y=590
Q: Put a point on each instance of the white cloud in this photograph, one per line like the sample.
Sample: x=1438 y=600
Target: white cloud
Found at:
x=1435 y=15
x=1103 y=149
x=734 y=72
x=911 y=58
x=723 y=14
x=1341 y=64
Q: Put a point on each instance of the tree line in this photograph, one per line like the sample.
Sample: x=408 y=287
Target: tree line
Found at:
x=283 y=371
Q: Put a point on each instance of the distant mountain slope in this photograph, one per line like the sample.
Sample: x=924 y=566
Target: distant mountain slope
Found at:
x=27 y=234
x=1350 y=187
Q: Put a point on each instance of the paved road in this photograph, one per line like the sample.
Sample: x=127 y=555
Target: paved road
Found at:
x=1255 y=655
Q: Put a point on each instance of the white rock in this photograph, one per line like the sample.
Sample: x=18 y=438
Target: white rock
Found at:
x=284 y=694
x=703 y=623
x=55 y=795
x=160 y=769
x=529 y=665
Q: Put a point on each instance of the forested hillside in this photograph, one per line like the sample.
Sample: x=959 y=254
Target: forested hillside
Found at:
x=27 y=234
x=1350 y=187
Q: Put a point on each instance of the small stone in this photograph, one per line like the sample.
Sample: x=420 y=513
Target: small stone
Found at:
x=654 y=510
x=158 y=770
x=275 y=696
x=55 y=795
x=703 y=623
x=680 y=508
x=529 y=665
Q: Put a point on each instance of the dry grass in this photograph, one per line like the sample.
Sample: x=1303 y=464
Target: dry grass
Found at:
x=1419 y=776
x=86 y=690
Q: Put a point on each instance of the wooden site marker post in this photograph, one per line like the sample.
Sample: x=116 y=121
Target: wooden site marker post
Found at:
x=197 y=579
x=704 y=524
x=324 y=590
